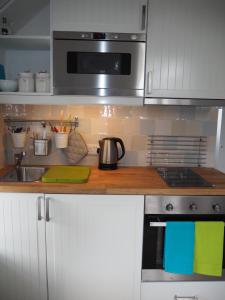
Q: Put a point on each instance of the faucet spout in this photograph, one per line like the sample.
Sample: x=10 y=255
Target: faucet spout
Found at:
x=19 y=158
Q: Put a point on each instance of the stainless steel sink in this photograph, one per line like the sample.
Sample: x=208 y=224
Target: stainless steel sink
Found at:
x=24 y=174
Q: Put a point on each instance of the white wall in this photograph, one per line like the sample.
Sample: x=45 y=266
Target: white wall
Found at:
x=38 y=25
x=21 y=12
x=22 y=60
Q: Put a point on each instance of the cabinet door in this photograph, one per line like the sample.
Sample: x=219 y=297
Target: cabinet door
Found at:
x=183 y=290
x=185 y=49
x=22 y=248
x=99 y=15
x=94 y=247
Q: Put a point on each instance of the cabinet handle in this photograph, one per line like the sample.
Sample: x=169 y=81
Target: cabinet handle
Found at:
x=143 y=16
x=185 y=297
x=47 y=218
x=149 y=82
x=39 y=216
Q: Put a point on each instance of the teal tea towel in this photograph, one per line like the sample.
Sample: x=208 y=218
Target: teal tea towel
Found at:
x=2 y=72
x=179 y=247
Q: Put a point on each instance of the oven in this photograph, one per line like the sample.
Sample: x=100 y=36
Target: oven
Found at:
x=101 y=64
x=159 y=210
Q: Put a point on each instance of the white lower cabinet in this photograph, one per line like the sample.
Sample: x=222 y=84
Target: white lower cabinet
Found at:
x=22 y=248
x=70 y=247
x=94 y=247
x=183 y=291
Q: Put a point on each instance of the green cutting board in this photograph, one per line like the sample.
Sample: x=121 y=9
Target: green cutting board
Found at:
x=67 y=174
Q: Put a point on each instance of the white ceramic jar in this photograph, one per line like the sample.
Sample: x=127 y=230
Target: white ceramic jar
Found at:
x=26 y=82
x=42 y=82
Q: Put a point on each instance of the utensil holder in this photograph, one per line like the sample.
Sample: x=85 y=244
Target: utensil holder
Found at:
x=19 y=139
x=61 y=140
x=41 y=147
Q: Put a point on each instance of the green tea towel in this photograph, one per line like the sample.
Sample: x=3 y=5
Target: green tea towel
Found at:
x=208 y=256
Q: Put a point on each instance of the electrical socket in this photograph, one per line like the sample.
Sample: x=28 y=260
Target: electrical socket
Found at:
x=92 y=149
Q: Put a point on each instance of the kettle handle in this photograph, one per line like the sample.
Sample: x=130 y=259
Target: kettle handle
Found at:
x=118 y=140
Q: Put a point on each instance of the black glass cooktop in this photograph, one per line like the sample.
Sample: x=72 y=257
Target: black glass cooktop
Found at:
x=182 y=177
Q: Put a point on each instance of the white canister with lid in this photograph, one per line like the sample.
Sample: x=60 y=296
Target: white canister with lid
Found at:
x=42 y=82
x=26 y=82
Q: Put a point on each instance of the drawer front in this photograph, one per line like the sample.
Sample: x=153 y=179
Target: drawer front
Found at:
x=183 y=291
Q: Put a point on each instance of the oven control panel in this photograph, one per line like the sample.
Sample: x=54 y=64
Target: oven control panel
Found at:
x=185 y=205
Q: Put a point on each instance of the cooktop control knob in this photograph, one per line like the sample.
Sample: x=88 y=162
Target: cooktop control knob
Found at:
x=193 y=207
x=169 y=207
x=216 y=207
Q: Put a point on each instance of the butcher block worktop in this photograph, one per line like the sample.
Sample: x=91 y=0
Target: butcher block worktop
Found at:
x=124 y=181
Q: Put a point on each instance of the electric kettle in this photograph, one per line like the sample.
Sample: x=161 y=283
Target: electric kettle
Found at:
x=109 y=154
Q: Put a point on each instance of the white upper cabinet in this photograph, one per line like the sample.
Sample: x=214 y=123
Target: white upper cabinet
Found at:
x=94 y=247
x=186 y=49
x=99 y=15
x=22 y=247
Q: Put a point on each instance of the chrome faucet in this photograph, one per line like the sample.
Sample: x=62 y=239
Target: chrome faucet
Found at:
x=18 y=159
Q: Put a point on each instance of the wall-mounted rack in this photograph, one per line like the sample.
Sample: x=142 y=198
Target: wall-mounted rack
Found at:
x=177 y=150
x=44 y=122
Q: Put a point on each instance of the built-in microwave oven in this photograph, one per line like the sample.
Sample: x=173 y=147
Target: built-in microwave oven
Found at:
x=101 y=64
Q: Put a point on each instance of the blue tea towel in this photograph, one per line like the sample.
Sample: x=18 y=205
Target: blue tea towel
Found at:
x=179 y=247
x=2 y=72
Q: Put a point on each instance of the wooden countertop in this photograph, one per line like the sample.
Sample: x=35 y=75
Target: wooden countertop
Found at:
x=124 y=181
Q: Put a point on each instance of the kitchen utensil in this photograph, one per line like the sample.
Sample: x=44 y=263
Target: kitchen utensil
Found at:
x=77 y=148
x=19 y=139
x=41 y=147
x=108 y=153
x=26 y=82
x=67 y=174
x=8 y=85
x=61 y=140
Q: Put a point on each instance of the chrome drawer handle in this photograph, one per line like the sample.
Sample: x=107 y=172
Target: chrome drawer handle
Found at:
x=185 y=297
x=47 y=217
x=39 y=216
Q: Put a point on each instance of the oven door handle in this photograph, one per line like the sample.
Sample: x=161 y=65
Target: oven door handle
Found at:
x=157 y=224
x=160 y=224
x=185 y=297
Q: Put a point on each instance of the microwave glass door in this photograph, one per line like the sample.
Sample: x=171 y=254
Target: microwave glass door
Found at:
x=99 y=63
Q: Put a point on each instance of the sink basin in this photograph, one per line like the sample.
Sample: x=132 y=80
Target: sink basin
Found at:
x=24 y=174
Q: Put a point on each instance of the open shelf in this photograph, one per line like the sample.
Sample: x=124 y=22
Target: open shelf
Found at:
x=37 y=98
x=25 y=94
x=22 y=42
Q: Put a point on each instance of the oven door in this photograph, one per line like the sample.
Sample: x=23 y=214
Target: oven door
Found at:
x=102 y=68
x=153 y=246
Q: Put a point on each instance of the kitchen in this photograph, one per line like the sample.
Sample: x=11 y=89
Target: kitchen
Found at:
x=61 y=240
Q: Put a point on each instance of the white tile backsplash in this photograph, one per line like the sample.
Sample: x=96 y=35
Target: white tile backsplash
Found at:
x=132 y=124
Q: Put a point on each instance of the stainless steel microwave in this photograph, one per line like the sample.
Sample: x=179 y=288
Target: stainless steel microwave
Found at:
x=101 y=64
